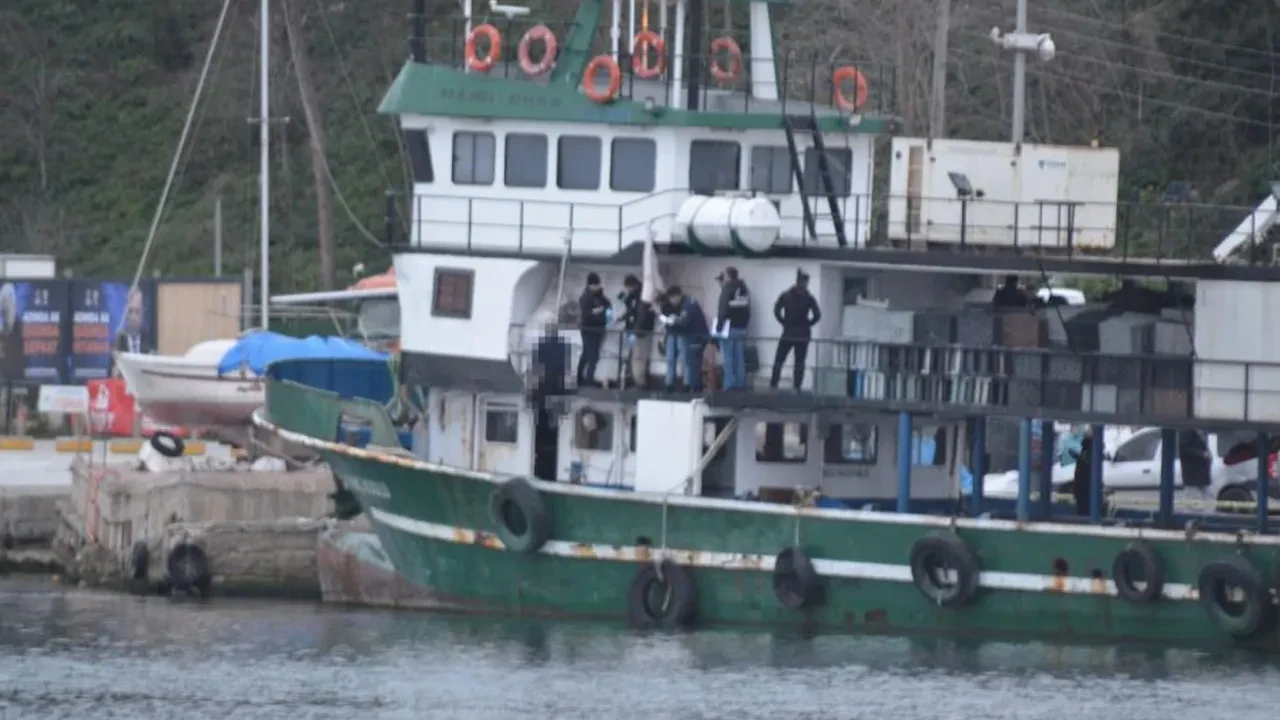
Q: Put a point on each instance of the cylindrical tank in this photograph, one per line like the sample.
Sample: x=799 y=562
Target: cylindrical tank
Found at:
x=746 y=225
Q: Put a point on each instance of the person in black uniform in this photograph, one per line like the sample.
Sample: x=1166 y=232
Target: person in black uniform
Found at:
x=638 y=318
x=1010 y=295
x=1082 y=479
x=593 y=317
x=734 y=313
x=797 y=312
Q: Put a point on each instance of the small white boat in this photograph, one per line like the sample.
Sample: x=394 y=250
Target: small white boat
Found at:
x=187 y=390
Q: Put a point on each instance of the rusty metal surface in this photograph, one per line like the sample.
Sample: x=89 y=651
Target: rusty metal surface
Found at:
x=354 y=570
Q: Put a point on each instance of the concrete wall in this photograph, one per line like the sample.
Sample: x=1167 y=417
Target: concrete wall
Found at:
x=29 y=513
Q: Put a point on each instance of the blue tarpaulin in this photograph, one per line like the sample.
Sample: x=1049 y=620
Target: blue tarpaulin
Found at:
x=258 y=350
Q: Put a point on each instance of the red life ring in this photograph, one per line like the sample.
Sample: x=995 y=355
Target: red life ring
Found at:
x=610 y=92
x=476 y=63
x=845 y=75
x=723 y=74
x=548 y=38
x=644 y=42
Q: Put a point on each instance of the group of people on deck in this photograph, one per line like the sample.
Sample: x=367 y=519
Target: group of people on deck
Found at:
x=688 y=333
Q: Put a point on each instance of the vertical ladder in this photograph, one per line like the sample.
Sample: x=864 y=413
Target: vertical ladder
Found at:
x=809 y=123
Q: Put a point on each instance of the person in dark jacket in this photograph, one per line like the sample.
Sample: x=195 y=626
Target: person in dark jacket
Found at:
x=550 y=363
x=687 y=334
x=1197 y=463
x=638 y=319
x=593 y=318
x=797 y=312
x=1010 y=295
x=1082 y=481
x=733 y=316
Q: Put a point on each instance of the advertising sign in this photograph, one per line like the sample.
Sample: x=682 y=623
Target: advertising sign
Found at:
x=31 y=340
x=70 y=399
x=112 y=411
x=106 y=317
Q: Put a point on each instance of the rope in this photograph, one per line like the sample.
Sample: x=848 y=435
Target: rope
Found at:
x=177 y=154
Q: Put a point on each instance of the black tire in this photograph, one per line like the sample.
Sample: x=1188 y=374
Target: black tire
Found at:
x=520 y=517
x=188 y=570
x=669 y=602
x=140 y=560
x=168 y=444
x=1242 y=617
x=939 y=552
x=795 y=583
x=1138 y=563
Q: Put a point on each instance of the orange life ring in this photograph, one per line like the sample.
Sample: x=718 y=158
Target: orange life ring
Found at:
x=644 y=41
x=548 y=38
x=724 y=75
x=476 y=63
x=844 y=75
x=589 y=75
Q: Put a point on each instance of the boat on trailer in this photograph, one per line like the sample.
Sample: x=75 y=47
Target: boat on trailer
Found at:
x=836 y=506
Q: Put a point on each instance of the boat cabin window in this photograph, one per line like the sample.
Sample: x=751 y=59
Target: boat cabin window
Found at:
x=771 y=170
x=578 y=163
x=452 y=293
x=379 y=318
x=473 y=154
x=782 y=442
x=714 y=165
x=633 y=163
x=502 y=425
x=593 y=430
x=419 y=155
x=525 y=160
x=851 y=444
x=839 y=164
x=929 y=446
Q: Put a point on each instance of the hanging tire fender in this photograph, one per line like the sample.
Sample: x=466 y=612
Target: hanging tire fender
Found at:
x=1244 y=619
x=1138 y=563
x=939 y=552
x=188 y=570
x=663 y=596
x=520 y=516
x=795 y=583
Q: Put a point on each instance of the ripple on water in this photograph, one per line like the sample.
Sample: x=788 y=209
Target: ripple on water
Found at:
x=78 y=654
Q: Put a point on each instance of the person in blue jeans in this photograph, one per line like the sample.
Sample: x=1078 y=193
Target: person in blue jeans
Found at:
x=734 y=314
x=687 y=335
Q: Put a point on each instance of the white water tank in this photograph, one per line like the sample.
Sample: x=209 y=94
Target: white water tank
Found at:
x=747 y=225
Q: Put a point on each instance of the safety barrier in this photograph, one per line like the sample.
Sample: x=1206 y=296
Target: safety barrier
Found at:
x=72 y=445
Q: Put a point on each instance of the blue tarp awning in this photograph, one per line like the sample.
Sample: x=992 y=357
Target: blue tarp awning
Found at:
x=256 y=351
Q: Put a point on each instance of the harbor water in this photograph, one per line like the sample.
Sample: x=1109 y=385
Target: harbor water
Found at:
x=67 y=653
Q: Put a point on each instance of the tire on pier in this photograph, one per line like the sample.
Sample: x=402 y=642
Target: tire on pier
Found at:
x=1241 y=614
x=662 y=596
x=188 y=571
x=519 y=515
x=168 y=444
x=934 y=560
x=1138 y=573
x=795 y=583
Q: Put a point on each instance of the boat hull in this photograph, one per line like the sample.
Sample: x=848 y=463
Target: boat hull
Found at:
x=188 y=393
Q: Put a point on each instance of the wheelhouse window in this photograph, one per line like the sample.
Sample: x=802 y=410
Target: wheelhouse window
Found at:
x=473 y=154
x=851 y=444
x=593 y=430
x=929 y=446
x=839 y=165
x=578 y=162
x=714 y=165
x=771 y=170
x=452 y=293
x=379 y=318
x=633 y=164
x=502 y=425
x=525 y=160
x=782 y=442
x=419 y=155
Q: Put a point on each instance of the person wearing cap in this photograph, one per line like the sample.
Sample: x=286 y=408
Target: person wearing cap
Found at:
x=734 y=314
x=797 y=312
x=687 y=333
x=593 y=317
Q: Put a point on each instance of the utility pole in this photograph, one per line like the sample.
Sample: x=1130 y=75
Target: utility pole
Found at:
x=938 y=105
x=217 y=234
x=1022 y=42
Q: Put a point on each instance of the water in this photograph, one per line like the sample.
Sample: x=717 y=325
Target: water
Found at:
x=81 y=654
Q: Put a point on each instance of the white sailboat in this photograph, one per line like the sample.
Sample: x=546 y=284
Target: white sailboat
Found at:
x=187 y=390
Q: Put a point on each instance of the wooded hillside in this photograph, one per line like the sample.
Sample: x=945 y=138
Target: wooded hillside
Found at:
x=94 y=97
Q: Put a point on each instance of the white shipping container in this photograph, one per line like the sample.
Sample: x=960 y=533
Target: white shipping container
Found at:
x=1237 y=366
x=1038 y=195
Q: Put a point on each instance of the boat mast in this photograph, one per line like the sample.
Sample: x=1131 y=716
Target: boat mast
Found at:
x=264 y=147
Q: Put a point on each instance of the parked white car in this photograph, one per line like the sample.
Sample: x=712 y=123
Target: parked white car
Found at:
x=1131 y=476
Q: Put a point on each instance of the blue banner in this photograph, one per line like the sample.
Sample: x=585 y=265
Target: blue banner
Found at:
x=31 y=337
x=105 y=317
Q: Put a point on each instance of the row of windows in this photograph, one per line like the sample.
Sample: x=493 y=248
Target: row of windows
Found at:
x=852 y=444
x=714 y=165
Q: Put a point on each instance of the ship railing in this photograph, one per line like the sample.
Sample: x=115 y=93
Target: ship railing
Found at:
x=804 y=78
x=1164 y=235
x=1060 y=383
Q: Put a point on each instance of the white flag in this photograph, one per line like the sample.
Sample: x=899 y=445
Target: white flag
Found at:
x=652 y=286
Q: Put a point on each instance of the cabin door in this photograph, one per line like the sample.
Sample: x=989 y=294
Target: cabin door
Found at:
x=504 y=437
x=450 y=438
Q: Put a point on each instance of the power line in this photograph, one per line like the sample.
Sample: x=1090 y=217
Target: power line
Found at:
x=1158 y=33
